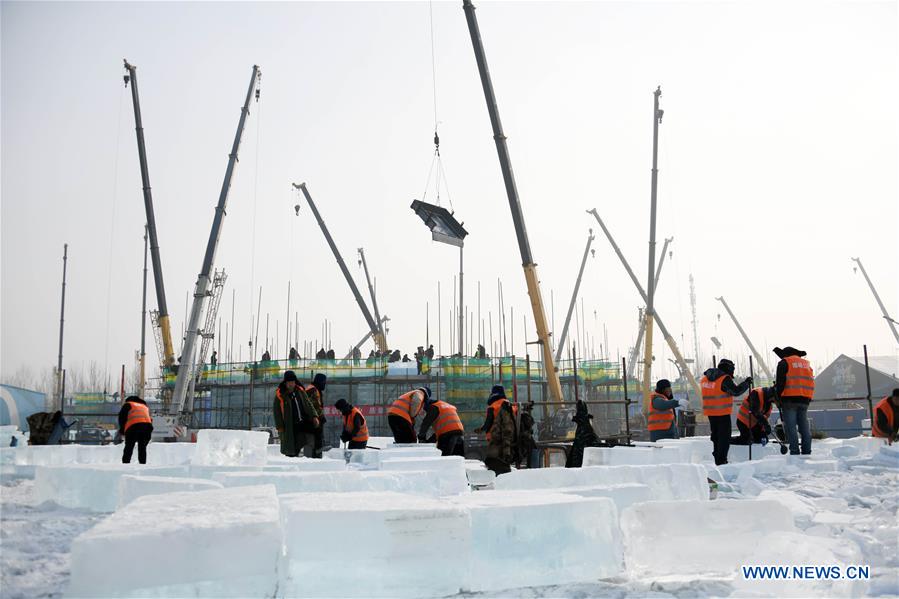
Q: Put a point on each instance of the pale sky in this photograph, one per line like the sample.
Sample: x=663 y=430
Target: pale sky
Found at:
x=778 y=162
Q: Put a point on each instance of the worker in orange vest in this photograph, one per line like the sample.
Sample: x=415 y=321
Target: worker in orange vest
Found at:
x=795 y=386
x=136 y=425
x=752 y=418
x=448 y=429
x=355 y=430
x=886 y=418
x=315 y=390
x=718 y=392
x=402 y=413
x=661 y=422
x=495 y=403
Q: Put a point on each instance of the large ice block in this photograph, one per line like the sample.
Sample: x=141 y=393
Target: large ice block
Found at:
x=373 y=545
x=451 y=470
x=218 y=543
x=714 y=537
x=219 y=447
x=93 y=487
x=308 y=464
x=526 y=538
x=416 y=483
x=133 y=486
x=356 y=459
x=634 y=456
x=802 y=508
x=623 y=494
x=411 y=450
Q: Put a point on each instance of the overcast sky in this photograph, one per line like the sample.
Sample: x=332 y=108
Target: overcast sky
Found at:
x=778 y=162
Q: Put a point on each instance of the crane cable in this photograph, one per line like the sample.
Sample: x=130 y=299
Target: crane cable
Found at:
x=115 y=188
x=435 y=160
x=255 y=201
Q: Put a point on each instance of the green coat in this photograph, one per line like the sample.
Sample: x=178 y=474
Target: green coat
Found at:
x=292 y=411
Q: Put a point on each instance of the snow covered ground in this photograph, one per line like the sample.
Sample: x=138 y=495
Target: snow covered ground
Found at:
x=588 y=532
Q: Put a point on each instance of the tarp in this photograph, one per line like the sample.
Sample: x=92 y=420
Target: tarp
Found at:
x=17 y=404
x=845 y=377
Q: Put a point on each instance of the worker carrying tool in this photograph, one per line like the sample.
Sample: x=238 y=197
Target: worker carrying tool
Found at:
x=718 y=390
x=795 y=386
x=355 y=430
x=402 y=413
x=294 y=415
x=136 y=425
x=886 y=418
x=752 y=419
x=448 y=429
x=661 y=421
x=315 y=390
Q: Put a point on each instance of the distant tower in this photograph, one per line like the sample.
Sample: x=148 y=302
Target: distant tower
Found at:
x=696 y=361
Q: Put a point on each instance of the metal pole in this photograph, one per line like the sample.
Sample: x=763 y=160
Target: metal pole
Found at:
x=651 y=284
x=642 y=328
x=761 y=399
x=668 y=338
x=439 y=323
x=527 y=260
x=754 y=351
x=369 y=319
x=868 y=383
x=62 y=314
x=627 y=401
x=164 y=323
x=577 y=286
x=371 y=291
x=287 y=333
x=205 y=277
x=143 y=325
x=461 y=309
x=890 y=322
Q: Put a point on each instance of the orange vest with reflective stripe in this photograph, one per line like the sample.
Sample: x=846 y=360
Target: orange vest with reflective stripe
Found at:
x=883 y=406
x=659 y=420
x=139 y=413
x=314 y=395
x=362 y=435
x=715 y=401
x=495 y=407
x=744 y=413
x=407 y=406
x=447 y=420
x=800 y=378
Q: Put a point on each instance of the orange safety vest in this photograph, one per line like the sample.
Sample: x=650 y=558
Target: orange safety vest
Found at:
x=139 y=413
x=745 y=413
x=496 y=407
x=884 y=406
x=800 y=378
x=715 y=401
x=315 y=395
x=659 y=420
x=407 y=406
x=447 y=420
x=362 y=435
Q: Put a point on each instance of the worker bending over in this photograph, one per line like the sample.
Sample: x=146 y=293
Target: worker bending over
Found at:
x=402 y=413
x=718 y=392
x=136 y=425
x=886 y=418
x=752 y=419
x=355 y=430
x=448 y=429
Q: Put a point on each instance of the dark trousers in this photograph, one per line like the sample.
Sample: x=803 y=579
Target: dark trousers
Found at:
x=720 y=428
x=319 y=441
x=357 y=445
x=743 y=437
x=497 y=465
x=451 y=444
x=139 y=434
x=401 y=429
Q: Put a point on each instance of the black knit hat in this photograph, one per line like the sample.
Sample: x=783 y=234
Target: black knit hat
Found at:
x=342 y=405
x=320 y=381
x=788 y=351
x=426 y=391
x=498 y=390
x=662 y=384
x=726 y=366
x=290 y=375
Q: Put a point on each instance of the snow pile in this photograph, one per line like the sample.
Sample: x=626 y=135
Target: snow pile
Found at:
x=90 y=487
x=218 y=447
x=522 y=538
x=399 y=545
x=219 y=543
x=131 y=487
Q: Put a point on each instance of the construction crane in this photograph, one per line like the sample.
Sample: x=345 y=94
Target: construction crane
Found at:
x=571 y=306
x=161 y=318
x=204 y=279
x=758 y=357
x=695 y=327
x=371 y=291
x=890 y=322
x=373 y=325
x=632 y=360
x=650 y=273
x=524 y=246
x=365 y=338
x=668 y=338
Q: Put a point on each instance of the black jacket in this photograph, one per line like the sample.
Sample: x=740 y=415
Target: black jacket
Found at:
x=728 y=386
x=488 y=421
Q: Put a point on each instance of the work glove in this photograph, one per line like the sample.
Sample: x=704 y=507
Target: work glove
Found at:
x=748 y=381
x=683 y=403
x=766 y=427
x=422 y=439
x=323 y=420
x=764 y=440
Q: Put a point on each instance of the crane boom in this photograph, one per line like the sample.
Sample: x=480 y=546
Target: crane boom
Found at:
x=754 y=351
x=524 y=247
x=373 y=326
x=571 y=305
x=204 y=279
x=165 y=327
x=890 y=322
x=632 y=360
x=371 y=291
x=668 y=338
